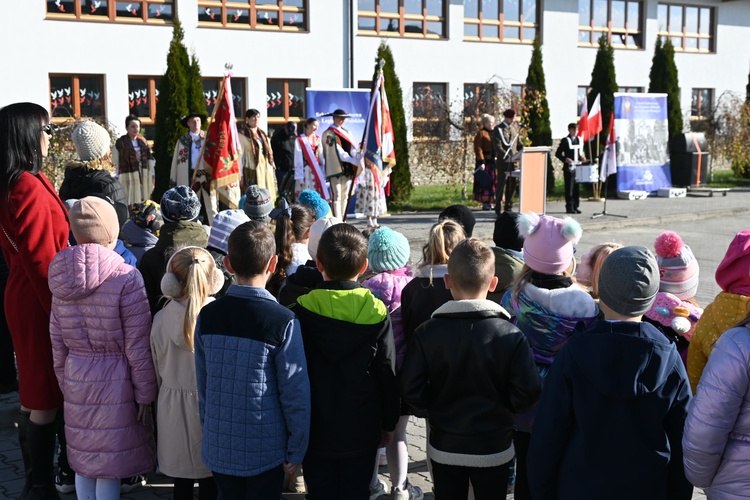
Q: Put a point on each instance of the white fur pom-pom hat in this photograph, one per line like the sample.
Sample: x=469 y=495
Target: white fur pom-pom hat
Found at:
x=550 y=242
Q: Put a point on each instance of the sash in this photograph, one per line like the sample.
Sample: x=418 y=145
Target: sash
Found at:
x=356 y=168
x=312 y=161
x=343 y=135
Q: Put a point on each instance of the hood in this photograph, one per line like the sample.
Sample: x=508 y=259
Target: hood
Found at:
x=624 y=359
x=181 y=233
x=347 y=320
x=427 y=271
x=78 y=271
x=726 y=310
x=136 y=236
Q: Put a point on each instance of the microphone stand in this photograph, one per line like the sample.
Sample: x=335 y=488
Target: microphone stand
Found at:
x=604 y=213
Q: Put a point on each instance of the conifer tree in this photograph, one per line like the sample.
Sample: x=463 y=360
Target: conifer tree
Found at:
x=663 y=79
x=172 y=106
x=196 y=101
x=747 y=90
x=401 y=186
x=536 y=108
x=604 y=84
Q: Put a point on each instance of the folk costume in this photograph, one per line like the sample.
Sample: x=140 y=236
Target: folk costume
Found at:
x=257 y=161
x=342 y=164
x=135 y=165
x=185 y=160
x=484 y=180
x=567 y=149
x=505 y=141
x=309 y=166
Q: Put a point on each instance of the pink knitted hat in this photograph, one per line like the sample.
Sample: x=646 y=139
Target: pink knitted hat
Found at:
x=678 y=268
x=733 y=274
x=549 y=244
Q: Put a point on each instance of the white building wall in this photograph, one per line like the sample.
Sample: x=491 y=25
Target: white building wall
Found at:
x=34 y=47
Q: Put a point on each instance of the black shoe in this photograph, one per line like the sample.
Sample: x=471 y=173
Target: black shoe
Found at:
x=570 y=211
x=578 y=211
x=128 y=484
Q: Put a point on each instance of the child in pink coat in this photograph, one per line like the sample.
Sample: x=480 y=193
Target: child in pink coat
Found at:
x=99 y=328
x=388 y=253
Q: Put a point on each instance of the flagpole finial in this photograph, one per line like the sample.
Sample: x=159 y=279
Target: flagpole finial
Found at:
x=381 y=63
x=228 y=66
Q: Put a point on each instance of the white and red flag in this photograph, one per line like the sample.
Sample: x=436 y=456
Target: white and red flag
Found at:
x=609 y=160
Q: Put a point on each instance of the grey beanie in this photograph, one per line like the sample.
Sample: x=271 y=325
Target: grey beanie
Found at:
x=629 y=280
x=180 y=203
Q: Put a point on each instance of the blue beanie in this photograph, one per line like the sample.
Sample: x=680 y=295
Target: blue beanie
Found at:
x=180 y=203
x=315 y=202
x=387 y=250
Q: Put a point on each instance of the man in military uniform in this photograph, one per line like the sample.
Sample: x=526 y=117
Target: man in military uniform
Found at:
x=570 y=153
x=505 y=141
x=342 y=159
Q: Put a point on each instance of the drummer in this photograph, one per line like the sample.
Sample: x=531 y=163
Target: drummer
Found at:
x=571 y=154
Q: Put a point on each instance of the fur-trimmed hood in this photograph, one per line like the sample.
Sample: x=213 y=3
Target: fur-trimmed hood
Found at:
x=460 y=307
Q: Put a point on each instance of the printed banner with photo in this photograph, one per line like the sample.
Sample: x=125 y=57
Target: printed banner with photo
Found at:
x=355 y=102
x=642 y=139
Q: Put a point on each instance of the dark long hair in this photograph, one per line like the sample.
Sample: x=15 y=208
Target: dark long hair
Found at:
x=20 y=141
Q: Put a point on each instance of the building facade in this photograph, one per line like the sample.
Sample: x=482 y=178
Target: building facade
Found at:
x=104 y=57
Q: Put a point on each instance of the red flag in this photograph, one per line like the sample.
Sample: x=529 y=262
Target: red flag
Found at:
x=595 y=119
x=583 y=123
x=221 y=156
x=609 y=161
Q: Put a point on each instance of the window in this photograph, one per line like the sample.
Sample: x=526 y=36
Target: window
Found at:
x=407 y=18
x=143 y=94
x=132 y=11
x=619 y=20
x=274 y=15
x=515 y=21
x=364 y=84
x=630 y=90
x=701 y=103
x=690 y=28
x=479 y=98
x=211 y=93
x=583 y=93
x=75 y=96
x=430 y=111
x=285 y=101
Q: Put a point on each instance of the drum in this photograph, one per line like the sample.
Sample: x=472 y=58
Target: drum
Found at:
x=587 y=173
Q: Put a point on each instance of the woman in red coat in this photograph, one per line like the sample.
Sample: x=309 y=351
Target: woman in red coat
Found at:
x=34 y=226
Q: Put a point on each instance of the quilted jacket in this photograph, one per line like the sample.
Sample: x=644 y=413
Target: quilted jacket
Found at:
x=716 y=442
x=100 y=327
x=387 y=287
x=723 y=313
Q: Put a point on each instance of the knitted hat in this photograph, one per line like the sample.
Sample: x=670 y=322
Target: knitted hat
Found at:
x=549 y=244
x=316 y=231
x=733 y=274
x=506 y=233
x=677 y=266
x=93 y=220
x=224 y=223
x=146 y=216
x=315 y=202
x=387 y=250
x=180 y=203
x=629 y=280
x=258 y=203
x=92 y=141
x=461 y=214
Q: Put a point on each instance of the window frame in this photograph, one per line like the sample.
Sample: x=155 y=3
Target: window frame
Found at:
x=153 y=88
x=684 y=35
x=237 y=82
x=501 y=24
x=75 y=91
x=277 y=121
x=225 y=6
x=402 y=17
x=695 y=111
x=633 y=89
x=421 y=123
x=112 y=17
x=609 y=31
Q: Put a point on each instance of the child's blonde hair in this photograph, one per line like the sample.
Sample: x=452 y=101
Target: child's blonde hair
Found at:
x=596 y=259
x=193 y=267
x=443 y=238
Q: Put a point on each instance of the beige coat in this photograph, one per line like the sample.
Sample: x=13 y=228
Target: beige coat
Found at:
x=179 y=433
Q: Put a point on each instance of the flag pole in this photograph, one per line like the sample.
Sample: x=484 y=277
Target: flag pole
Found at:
x=208 y=123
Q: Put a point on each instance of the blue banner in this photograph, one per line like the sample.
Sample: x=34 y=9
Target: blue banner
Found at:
x=355 y=102
x=642 y=139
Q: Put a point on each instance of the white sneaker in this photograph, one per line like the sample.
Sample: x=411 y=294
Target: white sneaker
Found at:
x=378 y=491
x=408 y=493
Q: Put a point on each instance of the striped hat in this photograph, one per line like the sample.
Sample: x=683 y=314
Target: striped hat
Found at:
x=224 y=223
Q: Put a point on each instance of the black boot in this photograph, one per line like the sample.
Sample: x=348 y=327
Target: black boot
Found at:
x=22 y=423
x=41 y=439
